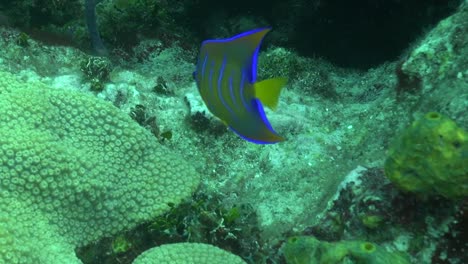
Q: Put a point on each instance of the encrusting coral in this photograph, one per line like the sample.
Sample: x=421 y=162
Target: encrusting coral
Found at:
x=73 y=169
x=183 y=253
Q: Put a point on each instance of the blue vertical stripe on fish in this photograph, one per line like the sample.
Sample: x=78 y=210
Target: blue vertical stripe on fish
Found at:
x=226 y=76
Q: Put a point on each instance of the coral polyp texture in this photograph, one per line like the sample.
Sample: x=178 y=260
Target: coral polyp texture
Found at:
x=73 y=169
x=430 y=157
x=183 y=253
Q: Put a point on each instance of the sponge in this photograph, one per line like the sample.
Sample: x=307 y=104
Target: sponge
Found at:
x=430 y=157
x=308 y=250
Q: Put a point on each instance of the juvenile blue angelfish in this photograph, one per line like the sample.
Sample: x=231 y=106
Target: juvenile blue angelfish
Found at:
x=226 y=78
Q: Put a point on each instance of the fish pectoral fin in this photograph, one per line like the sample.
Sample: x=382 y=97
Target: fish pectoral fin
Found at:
x=268 y=91
x=224 y=122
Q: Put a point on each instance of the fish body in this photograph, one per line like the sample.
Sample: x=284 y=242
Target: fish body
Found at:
x=226 y=75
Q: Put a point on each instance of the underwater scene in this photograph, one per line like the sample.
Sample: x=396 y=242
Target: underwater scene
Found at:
x=233 y=132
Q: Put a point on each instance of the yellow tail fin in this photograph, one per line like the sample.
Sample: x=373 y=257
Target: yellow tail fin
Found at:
x=268 y=91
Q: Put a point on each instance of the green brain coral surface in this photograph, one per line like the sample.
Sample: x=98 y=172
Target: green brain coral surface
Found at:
x=430 y=158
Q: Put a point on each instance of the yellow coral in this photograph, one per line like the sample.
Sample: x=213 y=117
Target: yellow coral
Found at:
x=430 y=157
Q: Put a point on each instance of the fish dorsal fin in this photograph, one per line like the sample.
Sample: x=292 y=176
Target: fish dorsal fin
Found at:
x=240 y=51
x=268 y=91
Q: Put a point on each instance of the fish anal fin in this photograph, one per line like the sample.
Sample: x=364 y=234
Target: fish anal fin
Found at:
x=268 y=91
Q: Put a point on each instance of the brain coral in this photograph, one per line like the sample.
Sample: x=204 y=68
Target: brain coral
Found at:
x=79 y=167
x=183 y=253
